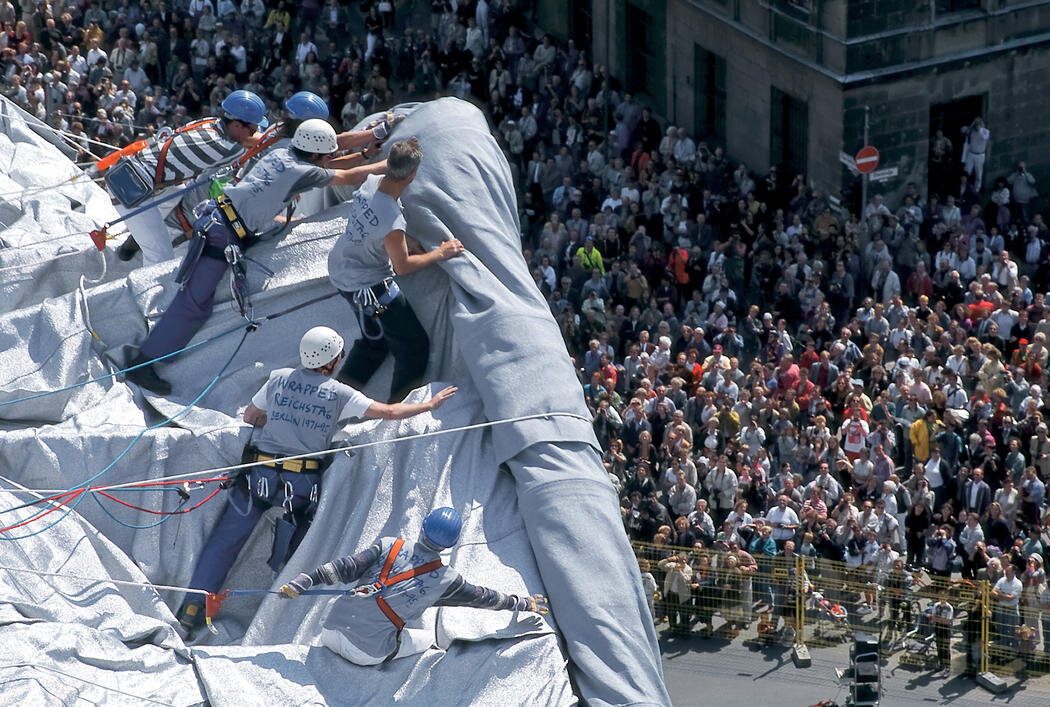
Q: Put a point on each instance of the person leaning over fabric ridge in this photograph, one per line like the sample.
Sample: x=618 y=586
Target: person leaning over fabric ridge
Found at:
x=362 y=266
x=229 y=224
x=367 y=625
x=145 y=169
x=298 y=107
x=296 y=412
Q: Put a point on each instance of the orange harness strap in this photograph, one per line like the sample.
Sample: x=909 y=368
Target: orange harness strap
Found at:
x=268 y=139
x=112 y=158
x=139 y=145
x=387 y=581
x=162 y=158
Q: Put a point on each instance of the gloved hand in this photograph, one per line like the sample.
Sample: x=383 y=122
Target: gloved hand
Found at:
x=537 y=604
x=296 y=587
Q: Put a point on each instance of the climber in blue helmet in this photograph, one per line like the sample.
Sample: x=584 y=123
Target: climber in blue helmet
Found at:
x=149 y=167
x=396 y=582
x=305 y=105
x=245 y=107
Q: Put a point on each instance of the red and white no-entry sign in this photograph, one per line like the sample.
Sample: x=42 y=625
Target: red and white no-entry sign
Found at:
x=867 y=159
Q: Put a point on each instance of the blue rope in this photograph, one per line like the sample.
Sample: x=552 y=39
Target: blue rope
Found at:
x=109 y=513
x=87 y=482
x=120 y=372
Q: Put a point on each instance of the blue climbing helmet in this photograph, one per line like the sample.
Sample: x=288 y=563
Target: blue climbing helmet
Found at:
x=441 y=527
x=246 y=107
x=305 y=105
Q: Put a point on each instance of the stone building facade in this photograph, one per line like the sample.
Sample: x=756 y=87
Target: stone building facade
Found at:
x=787 y=81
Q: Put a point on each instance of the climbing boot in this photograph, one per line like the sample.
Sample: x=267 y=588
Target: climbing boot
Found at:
x=127 y=249
x=191 y=618
x=146 y=377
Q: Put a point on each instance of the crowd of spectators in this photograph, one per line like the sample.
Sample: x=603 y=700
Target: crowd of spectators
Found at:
x=857 y=387
x=113 y=71
x=767 y=374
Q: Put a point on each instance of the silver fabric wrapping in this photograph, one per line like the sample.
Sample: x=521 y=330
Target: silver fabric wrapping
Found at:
x=550 y=525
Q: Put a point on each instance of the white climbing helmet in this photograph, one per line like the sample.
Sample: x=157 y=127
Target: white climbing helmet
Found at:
x=316 y=136
x=319 y=347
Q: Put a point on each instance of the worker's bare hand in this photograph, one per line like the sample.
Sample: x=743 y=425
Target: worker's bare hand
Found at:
x=439 y=399
x=450 y=249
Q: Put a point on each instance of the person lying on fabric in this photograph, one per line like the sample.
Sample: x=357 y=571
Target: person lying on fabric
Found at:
x=229 y=224
x=362 y=266
x=297 y=412
x=367 y=626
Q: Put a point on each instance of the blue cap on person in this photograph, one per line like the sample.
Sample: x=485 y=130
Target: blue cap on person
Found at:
x=246 y=107
x=441 y=527
x=305 y=105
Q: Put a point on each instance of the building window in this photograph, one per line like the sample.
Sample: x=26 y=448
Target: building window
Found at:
x=957 y=5
x=640 y=60
x=788 y=131
x=710 y=94
x=798 y=8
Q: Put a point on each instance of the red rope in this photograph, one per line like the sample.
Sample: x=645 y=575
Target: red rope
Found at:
x=142 y=484
x=71 y=494
x=68 y=496
x=161 y=513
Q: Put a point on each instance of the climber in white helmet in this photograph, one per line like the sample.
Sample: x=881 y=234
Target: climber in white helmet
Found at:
x=229 y=225
x=296 y=412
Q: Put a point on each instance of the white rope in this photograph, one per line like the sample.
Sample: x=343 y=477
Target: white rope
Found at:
x=85 y=138
x=19 y=266
x=82 y=118
x=96 y=580
x=22 y=266
x=83 y=680
x=53 y=503
x=40 y=188
x=308 y=455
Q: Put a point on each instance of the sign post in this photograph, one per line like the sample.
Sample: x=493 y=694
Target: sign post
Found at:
x=864 y=176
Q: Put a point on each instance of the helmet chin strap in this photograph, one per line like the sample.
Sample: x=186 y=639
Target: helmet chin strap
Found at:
x=432 y=546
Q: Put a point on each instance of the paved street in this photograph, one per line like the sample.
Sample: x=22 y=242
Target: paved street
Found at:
x=719 y=671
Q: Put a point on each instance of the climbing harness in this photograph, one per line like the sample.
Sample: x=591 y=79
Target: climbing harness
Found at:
x=128 y=179
x=239 y=282
x=386 y=581
x=371 y=304
x=288 y=525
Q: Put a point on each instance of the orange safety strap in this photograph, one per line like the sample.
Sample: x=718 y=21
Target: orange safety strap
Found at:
x=387 y=581
x=112 y=158
x=162 y=158
x=268 y=139
x=184 y=223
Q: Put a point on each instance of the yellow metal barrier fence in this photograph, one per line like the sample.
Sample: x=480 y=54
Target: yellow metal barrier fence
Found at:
x=921 y=621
